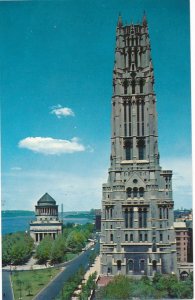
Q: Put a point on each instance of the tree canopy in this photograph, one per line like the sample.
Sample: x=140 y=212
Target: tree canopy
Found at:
x=16 y=248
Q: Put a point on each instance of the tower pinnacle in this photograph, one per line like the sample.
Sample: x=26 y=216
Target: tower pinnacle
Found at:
x=145 y=23
x=120 y=22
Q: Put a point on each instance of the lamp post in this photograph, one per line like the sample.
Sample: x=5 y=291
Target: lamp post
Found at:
x=10 y=267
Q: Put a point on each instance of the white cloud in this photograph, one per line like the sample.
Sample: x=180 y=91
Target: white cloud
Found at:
x=50 y=146
x=16 y=168
x=60 y=111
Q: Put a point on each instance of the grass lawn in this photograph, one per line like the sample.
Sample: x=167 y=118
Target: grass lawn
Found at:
x=27 y=284
x=70 y=256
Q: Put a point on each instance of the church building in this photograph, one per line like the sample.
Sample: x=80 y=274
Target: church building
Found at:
x=137 y=233
x=47 y=221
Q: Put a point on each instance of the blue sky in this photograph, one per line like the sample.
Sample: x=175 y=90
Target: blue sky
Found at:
x=60 y=54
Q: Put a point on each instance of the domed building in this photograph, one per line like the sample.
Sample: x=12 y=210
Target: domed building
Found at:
x=47 y=221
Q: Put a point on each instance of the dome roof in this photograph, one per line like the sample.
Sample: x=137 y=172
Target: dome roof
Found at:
x=46 y=199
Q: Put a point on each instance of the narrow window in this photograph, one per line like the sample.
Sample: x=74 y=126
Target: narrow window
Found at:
x=140 y=218
x=131 y=217
x=140 y=237
x=135 y=56
x=154 y=265
x=126 y=237
x=125 y=87
x=141 y=192
x=141 y=149
x=146 y=237
x=141 y=153
x=141 y=86
x=128 y=153
x=160 y=213
x=118 y=265
x=138 y=118
x=161 y=237
x=167 y=213
x=142 y=265
x=129 y=119
x=126 y=218
x=145 y=218
x=125 y=129
x=135 y=192
x=131 y=237
x=111 y=237
x=133 y=85
x=128 y=149
x=129 y=192
x=130 y=264
x=125 y=125
x=129 y=55
x=142 y=112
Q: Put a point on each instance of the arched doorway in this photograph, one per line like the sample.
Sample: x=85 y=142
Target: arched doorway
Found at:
x=184 y=275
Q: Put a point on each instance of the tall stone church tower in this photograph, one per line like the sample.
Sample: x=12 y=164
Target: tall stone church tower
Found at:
x=137 y=234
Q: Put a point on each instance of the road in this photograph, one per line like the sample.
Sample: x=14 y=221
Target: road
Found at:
x=7 y=293
x=54 y=288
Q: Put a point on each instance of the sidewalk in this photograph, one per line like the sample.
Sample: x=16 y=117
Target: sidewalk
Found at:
x=94 y=268
x=30 y=265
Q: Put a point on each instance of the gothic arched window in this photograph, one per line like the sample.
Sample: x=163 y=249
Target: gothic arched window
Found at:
x=141 y=192
x=129 y=192
x=154 y=265
x=135 y=190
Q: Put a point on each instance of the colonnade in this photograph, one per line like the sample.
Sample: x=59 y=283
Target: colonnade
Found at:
x=50 y=211
x=41 y=235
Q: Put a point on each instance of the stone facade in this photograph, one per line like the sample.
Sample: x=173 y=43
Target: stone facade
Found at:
x=137 y=233
x=47 y=221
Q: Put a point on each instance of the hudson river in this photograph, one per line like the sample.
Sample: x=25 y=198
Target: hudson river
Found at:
x=13 y=221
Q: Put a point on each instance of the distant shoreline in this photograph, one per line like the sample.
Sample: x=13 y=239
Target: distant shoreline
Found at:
x=18 y=220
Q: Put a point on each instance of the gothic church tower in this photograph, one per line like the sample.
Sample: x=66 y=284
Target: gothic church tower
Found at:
x=137 y=235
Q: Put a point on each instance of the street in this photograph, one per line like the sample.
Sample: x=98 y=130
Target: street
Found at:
x=6 y=286
x=54 y=288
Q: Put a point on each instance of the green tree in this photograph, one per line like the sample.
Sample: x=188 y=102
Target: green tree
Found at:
x=58 y=250
x=75 y=241
x=16 y=248
x=43 y=251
